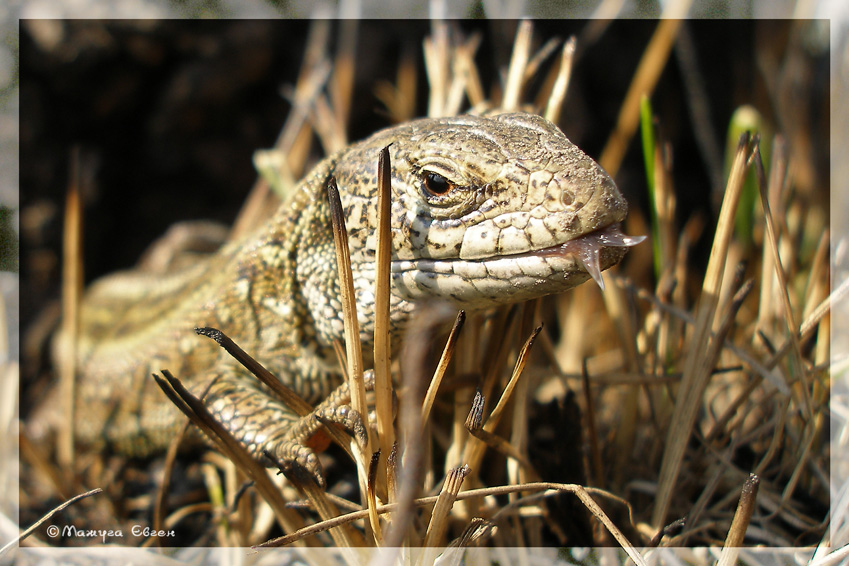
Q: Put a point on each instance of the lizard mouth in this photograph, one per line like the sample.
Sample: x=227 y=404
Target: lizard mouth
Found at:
x=587 y=249
x=513 y=277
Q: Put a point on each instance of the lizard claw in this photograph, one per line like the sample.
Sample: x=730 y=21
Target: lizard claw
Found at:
x=295 y=452
x=291 y=457
x=346 y=417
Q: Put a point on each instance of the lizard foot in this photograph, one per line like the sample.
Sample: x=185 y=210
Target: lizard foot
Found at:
x=347 y=418
x=290 y=454
x=305 y=438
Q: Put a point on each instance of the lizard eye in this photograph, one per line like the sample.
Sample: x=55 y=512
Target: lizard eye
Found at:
x=436 y=184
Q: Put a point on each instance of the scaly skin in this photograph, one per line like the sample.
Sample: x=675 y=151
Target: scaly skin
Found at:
x=513 y=188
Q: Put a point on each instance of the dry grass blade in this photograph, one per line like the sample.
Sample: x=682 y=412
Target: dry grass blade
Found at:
x=371 y=495
x=521 y=362
x=648 y=72
x=382 y=337
x=400 y=98
x=438 y=524
x=762 y=370
x=520 y=470
x=477 y=529
x=289 y=397
x=740 y=524
x=535 y=62
x=72 y=284
x=664 y=203
x=727 y=321
x=11 y=544
x=584 y=494
x=561 y=83
x=810 y=324
x=353 y=348
x=466 y=363
x=325 y=121
x=437 y=64
x=826 y=556
x=474 y=421
x=346 y=537
x=518 y=65
x=696 y=366
x=413 y=364
x=342 y=80
x=777 y=176
x=792 y=328
x=457 y=87
x=391 y=472
x=194 y=408
x=473 y=425
x=817 y=286
x=444 y=360
x=796 y=359
x=474 y=450
x=597 y=468
x=161 y=503
x=466 y=67
x=500 y=336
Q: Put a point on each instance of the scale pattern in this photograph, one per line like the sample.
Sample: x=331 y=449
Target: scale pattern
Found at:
x=485 y=210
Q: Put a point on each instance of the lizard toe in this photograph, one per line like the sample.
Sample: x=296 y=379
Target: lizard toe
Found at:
x=291 y=455
x=348 y=418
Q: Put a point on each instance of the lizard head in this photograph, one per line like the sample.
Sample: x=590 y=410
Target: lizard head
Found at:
x=488 y=210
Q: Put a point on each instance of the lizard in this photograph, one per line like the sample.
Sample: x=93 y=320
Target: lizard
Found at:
x=485 y=210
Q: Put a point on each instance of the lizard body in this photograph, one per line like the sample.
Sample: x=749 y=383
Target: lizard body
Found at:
x=485 y=210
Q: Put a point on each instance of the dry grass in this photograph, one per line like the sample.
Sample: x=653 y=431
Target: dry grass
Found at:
x=705 y=397
x=700 y=372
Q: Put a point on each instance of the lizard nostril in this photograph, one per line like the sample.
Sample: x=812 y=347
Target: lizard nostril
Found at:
x=561 y=189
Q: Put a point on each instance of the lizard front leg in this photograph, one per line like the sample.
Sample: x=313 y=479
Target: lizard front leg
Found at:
x=271 y=431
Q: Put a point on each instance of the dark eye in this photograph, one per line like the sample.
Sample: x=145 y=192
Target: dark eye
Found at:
x=436 y=184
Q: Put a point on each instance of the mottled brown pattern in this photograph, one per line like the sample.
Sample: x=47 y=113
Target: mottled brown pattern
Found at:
x=518 y=186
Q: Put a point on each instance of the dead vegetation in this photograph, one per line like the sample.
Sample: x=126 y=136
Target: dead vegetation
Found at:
x=687 y=405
